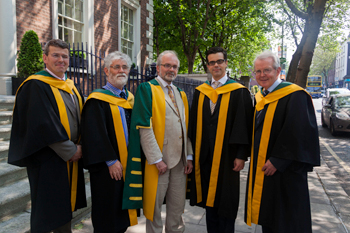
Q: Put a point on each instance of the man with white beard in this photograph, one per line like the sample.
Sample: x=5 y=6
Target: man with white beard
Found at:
x=105 y=130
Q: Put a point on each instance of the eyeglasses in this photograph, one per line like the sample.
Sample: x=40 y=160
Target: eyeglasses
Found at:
x=220 y=61
x=117 y=67
x=168 y=66
x=265 y=71
x=57 y=56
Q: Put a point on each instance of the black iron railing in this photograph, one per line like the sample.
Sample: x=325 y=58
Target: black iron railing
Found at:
x=86 y=70
x=188 y=85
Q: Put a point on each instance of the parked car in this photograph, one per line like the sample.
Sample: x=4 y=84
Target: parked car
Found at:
x=334 y=91
x=336 y=113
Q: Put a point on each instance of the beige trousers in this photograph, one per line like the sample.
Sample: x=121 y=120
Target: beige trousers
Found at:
x=172 y=185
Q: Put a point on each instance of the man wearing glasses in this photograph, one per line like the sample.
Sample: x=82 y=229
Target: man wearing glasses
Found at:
x=159 y=125
x=220 y=130
x=285 y=147
x=105 y=135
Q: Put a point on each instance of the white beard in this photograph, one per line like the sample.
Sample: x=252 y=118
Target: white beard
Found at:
x=118 y=80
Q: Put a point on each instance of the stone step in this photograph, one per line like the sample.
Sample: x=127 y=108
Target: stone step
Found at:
x=5 y=117
x=7 y=102
x=4 y=150
x=5 y=132
x=14 y=198
x=20 y=223
x=10 y=173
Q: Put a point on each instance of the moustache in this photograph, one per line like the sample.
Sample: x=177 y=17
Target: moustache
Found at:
x=121 y=75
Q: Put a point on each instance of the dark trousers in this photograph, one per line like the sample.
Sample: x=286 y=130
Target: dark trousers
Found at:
x=266 y=230
x=121 y=231
x=218 y=224
x=66 y=228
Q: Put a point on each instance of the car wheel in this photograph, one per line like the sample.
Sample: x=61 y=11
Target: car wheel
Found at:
x=333 y=131
x=322 y=121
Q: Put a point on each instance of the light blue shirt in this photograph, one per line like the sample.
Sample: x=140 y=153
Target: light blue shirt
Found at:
x=117 y=91
x=274 y=85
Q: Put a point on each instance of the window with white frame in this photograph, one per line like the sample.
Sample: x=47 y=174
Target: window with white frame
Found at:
x=70 y=20
x=127 y=30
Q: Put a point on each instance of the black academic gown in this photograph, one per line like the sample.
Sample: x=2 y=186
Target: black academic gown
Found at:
x=100 y=145
x=293 y=149
x=36 y=125
x=236 y=144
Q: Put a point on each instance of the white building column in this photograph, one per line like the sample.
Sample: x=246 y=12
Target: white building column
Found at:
x=8 y=45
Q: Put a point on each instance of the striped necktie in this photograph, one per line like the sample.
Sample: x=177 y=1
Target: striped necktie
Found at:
x=171 y=95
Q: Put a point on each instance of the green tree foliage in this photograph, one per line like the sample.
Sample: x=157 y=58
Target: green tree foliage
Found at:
x=254 y=89
x=324 y=56
x=30 y=57
x=192 y=27
x=305 y=20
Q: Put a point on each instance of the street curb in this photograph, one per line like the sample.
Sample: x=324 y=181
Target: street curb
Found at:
x=334 y=191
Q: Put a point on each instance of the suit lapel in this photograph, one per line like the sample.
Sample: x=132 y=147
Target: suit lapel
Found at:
x=167 y=97
x=179 y=103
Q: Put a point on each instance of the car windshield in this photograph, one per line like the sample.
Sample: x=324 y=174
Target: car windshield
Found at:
x=343 y=101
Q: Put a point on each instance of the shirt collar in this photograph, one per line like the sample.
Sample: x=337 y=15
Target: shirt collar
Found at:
x=113 y=89
x=221 y=81
x=55 y=76
x=274 y=85
x=164 y=83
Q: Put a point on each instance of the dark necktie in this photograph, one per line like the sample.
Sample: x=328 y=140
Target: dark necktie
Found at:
x=122 y=94
x=259 y=113
x=127 y=111
x=266 y=92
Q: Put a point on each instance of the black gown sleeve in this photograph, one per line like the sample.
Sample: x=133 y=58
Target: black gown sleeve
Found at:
x=99 y=142
x=241 y=133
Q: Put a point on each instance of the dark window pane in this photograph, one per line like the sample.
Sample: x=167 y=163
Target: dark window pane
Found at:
x=60 y=31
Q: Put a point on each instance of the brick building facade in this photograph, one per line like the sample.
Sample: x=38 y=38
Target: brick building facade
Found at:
x=104 y=35
x=102 y=25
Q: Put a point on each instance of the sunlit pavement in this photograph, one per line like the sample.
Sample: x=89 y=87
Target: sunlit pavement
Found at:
x=330 y=204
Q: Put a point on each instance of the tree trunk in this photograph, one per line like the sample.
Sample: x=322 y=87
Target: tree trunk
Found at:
x=203 y=59
x=293 y=66
x=190 y=60
x=300 y=64
x=314 y=22
x=190 y=66
x=325 y=73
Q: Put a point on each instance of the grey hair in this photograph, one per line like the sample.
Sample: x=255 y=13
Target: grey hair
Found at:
x=159 y=59
x=268 y=54
x=116 y=55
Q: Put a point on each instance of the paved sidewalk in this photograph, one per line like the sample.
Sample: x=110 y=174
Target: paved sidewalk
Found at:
x=330 y=207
